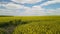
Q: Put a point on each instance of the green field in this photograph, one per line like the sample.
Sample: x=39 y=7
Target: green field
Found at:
x=30 y=25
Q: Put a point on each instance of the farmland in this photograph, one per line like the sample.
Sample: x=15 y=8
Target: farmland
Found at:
x=30 y=25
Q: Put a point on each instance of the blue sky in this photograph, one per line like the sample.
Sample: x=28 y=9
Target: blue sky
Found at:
x=29 y=7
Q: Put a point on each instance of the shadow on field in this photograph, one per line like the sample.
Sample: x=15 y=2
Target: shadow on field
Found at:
x=8 y=27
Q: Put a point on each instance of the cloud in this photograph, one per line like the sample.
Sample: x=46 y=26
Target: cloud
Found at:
x=27 y=1
x=18 y=10
x=57 y=0
x=39 y=11
x=15 y=9
x=10 y=12
x=6 y=12
x=35 y=10
x=50 y=2
x=21 y=10
x=53 y=12
x=11 y=9
x=13 y=6
x=57 y=11
x=27 y=11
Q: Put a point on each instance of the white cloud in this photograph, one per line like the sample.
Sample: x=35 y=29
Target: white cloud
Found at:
x=34 y=11
x=27 y=1
x=10 y=12
x=14 y=9
x=57 y=11
x=11 y=9
x=57 y=0
x=53 y=11
x=6 y=12
x=50 y=2
x=39 y=11
x=2 y=4
x=13 y=6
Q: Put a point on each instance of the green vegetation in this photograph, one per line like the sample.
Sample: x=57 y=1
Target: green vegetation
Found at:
x=2 y=31
x=39 y=28
x=30 y=25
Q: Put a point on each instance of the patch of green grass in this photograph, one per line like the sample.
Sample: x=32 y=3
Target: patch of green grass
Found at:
x=28 y=18
x=2 y=31
x=31 y=24
x=44 y=27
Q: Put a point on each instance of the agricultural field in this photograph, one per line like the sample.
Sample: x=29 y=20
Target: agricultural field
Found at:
x=30 y=25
